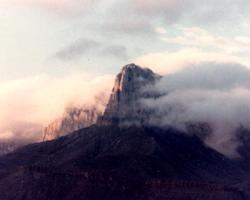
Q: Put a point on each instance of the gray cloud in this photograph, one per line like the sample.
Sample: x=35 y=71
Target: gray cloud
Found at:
x=83 y=47
x=139 y=19
x=218 y=94
x=200 y=12
x=170 y=11
x=207 y=76
x=119 y=52
x=77 y=49
x=128 y=24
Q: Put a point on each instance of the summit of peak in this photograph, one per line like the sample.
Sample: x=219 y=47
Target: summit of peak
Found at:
x=133 y=77
x=124 y=103
x=133 y=67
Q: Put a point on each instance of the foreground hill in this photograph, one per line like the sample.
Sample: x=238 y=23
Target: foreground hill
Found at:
x=130 y=157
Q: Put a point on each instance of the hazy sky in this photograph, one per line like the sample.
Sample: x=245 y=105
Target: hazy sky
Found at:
x=98 y=36
x=57 y=51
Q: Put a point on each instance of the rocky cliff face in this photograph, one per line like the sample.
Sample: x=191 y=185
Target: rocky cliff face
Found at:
x=130 y=86
x=72 y=120
x=123 y=107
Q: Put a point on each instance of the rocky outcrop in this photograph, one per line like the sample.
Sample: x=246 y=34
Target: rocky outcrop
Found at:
x=130 y=86
x=72 y=120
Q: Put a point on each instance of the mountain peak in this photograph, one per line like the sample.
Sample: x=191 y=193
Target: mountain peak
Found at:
x=133 y=77
x=123 y=106
x=130 y=66
x=134 y=67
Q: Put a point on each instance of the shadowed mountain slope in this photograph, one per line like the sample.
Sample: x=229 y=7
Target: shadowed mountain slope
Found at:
x=133 y=155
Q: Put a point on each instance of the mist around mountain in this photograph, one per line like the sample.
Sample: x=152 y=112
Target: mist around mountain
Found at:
x=133 y=150
x=74 y=118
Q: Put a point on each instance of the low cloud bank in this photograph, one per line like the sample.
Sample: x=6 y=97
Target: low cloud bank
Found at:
x=172 y=62
x=27 y=105
x=218 y=94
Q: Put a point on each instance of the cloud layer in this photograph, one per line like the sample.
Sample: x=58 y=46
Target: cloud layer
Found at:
x=29 y=104
x=197 y=37
x=169 y=62
x=91 y=47
x=218 y=94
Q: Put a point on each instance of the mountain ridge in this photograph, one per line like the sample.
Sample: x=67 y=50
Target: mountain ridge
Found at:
x=110 y=160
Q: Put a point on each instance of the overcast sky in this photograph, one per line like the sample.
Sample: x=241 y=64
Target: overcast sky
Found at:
x=53 y=50
x=99 y=36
